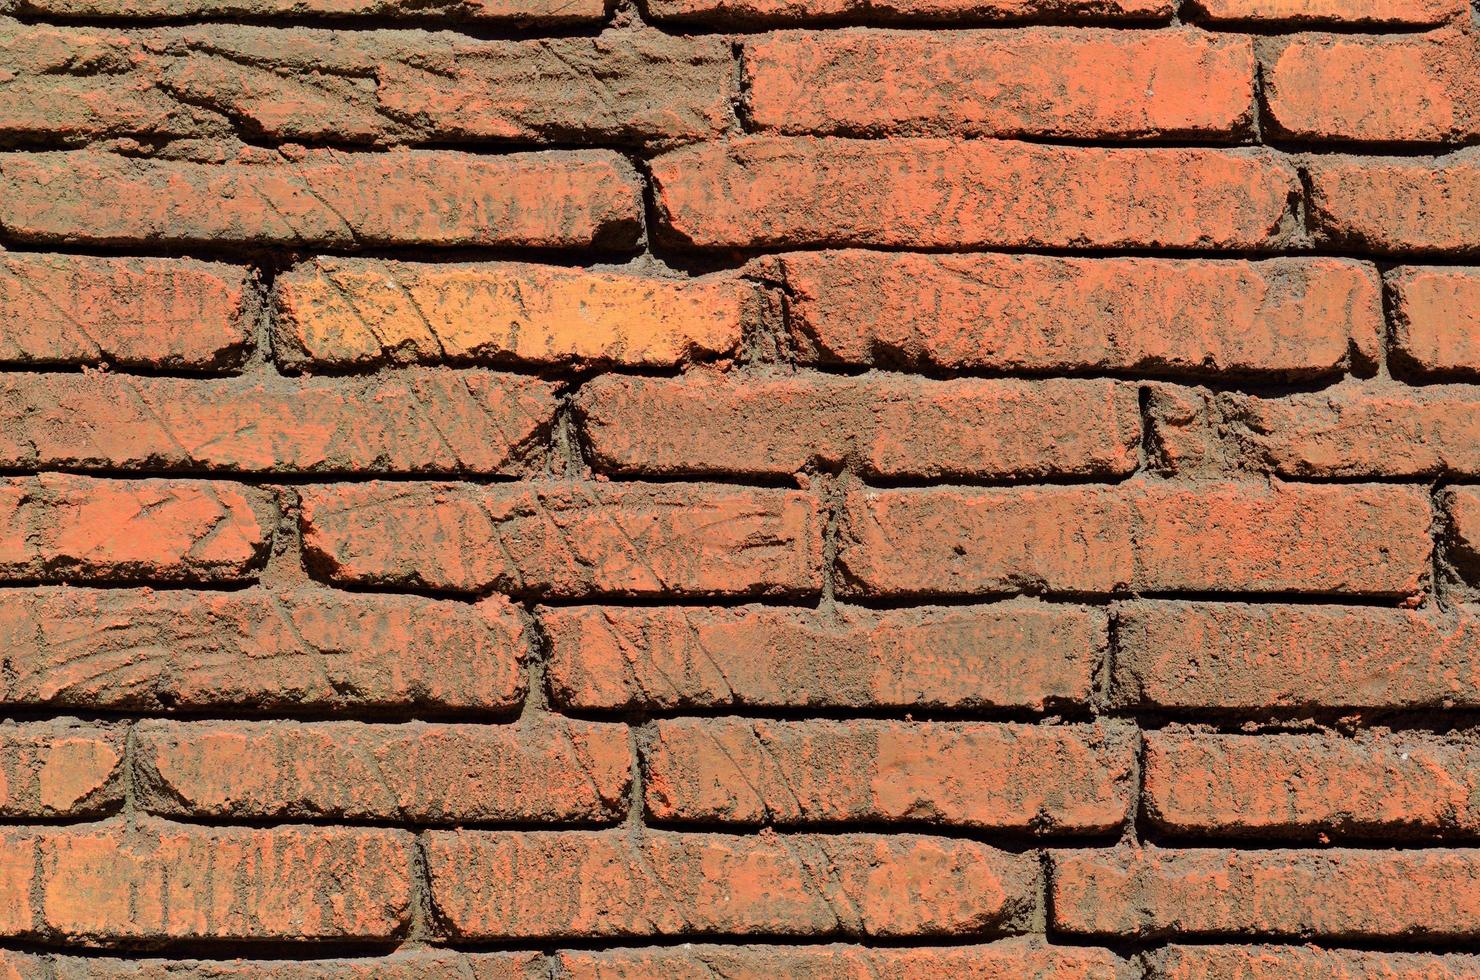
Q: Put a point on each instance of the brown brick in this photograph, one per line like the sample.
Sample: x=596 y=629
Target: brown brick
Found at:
x=767 y=192
x=52 y=769
x=551 y=770
x=511 y=885
x=1408 y=204
x=1037 y=313
x=1334 y=13
x=1436 y=320
x=132 y=313
x=1017 y=654
x=325 y=198
x=1305 y=963
x=1148 y=536
x=254 y=650
x=339 y=313
x=567 y=539
x=1048 y=780
x=731 y=12
x=886 y=425
x=55 y=527
x=403 y=965
x=514 y=12
x=1008 y=959
x=1038 y=82
x=1216 y=655
x=1340 y=894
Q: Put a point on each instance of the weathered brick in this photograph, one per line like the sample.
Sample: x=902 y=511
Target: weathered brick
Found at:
x=767 y=192
x=361 y=86
x=1379 y=430
x=887 y=425
x=1334 y=13
x=255 y=650
x=1462 y=509
x=730 y=12
x=1436 y=320
x=1017 y=654
x=56 y=527
x=1343 y=894
x=552 y=770
x=515 y=12
x=403 y=965
x=157 y=882
x=1423 y=89
x=1148 y=536
x=567 y=539
x=581 y=198
x=1007 y=959
x=132 y=313
x=1037 y=82
x=59 y=769
x=421 y=420
x=1385 y=785
x=1305 y=963
x=511 y=885
x=339 y=313
x=1425 y=206
x=1236 y=656
x=1037 y=313
x=1047 y=780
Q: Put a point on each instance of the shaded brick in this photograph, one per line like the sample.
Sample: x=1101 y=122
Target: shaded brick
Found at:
x=729 y=12
x=515 y=12
x=52 y=769
x=1305 y=963
x=1408 y=204
x=1436 y=320
x=1334 y=13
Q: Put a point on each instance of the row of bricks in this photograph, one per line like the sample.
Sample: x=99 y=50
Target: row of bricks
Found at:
x=318 y=651
x=559 y=13
x=153 y=882
x=1044 y=780
x=1275 y=319
x=755 y=192
x=644 y=86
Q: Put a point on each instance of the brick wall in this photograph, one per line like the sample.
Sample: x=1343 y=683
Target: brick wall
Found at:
x=739 y=488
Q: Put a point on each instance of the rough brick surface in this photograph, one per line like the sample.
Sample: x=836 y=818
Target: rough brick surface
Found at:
x=1422 y=206
x=1327 y=13
x=56 y=769
x=517 y=12
x=1304 y=963
x=747 y=12
x=1436 y=320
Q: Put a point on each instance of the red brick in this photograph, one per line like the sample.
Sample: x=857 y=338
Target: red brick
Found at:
x=326 y=198
x=552 y=770
x=1379 y=430
x=340 y=313
x=1341 y=894
x=1423 y=89
x=1384 y=786
x=567 y=539
x=1426 y=206
x=1037 y=313
x=54 y=769
x=297 y=650
x=1462 y=507
x=1334 y=13
x=1436 y=320
x=1008 y=959
x=1215 y=655
x=419 y=964
x=575 y=884
x=1148 y=536
x=1305 y=963
x=888 y=425
x=55 y=527
x=133 y=313
x=731 y=12
x=156 y=882
x=1037 y=82
x=766 y=192
x=1048 y=780
x=1007 y=655
x=515 y=12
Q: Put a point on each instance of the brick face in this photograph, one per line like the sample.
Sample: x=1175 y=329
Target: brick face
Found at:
x=678 y=489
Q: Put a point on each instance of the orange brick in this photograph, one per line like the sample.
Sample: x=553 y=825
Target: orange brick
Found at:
x=1426 y=206
x=567 y=539
x=585 y=198
x=510 y=885
x=1343 y=894
x=404 y=965
x=1038 y=82
x=552 y=770
x=1145 y=536
x=1334 y=13
x=1007 y=655
x=768 y=192
x=890 y=425
x=297 y=650
x=58 y=769
x=132 y=313
x=516 y=12
x=1048 y=780
x=1462 y=508
x=1304 y=963
x=56 y=527
x=1436 y=320
x=1036 y=313
x=731 y=12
